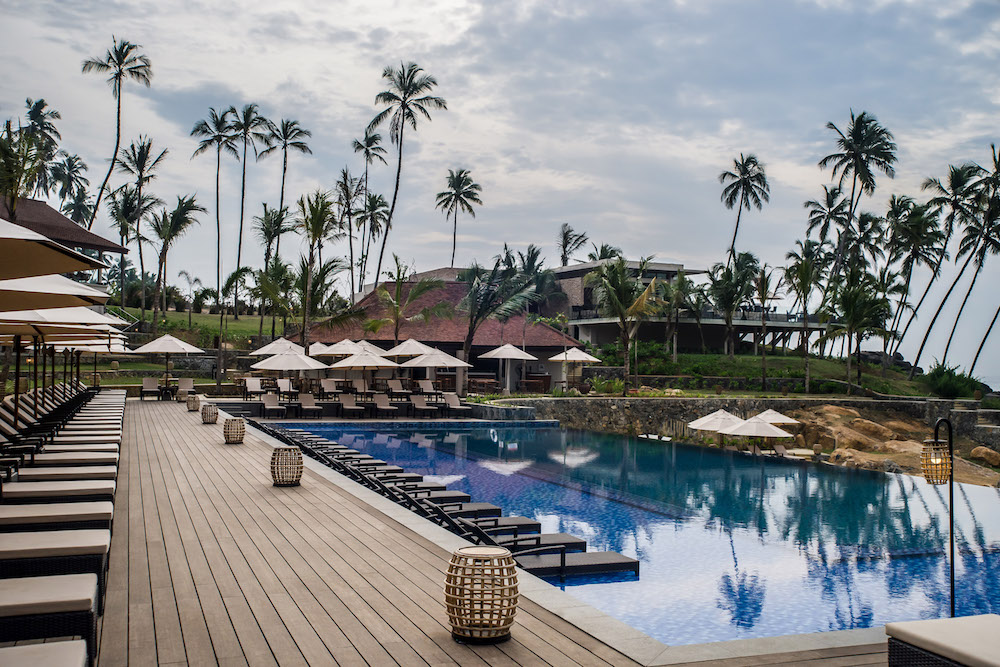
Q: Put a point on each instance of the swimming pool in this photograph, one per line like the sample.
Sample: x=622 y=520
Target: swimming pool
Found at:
x=730 y=547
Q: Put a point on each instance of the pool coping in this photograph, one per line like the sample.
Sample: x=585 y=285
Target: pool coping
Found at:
x=617 y=634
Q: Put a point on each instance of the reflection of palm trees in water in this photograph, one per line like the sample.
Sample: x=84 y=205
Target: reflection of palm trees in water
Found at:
x=742 y=593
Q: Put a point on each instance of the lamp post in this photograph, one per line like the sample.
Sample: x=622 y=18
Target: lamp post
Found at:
x=937 y=464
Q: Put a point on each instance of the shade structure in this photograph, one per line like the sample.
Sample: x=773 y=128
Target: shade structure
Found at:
x=167 y=344
x=716 y=421
x=77 y=315
x=409 y=348
x=289 y=362
x=775 y=417
x=342 y=348
x=280 y=346
x=316 y=349
x=27 y=253
x=575 y=355
x=508 y=351
x=364 y=361
x=435 y=359
x=371 y=347
x=47 y=292
x=756 y=428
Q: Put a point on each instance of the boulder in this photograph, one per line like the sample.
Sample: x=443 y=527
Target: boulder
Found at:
x=839 y=411
x=872 y=429
x=854 y=440
x=891 y=466
x=827 y=441
x=800 y=442
x=990 y=456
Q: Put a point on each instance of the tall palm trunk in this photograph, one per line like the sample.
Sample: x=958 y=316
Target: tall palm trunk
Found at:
x=218 y=268
x=763 y=350
x=350 y=249
x=306 y=301
x=736 y=230
x=897 y=318
x=934 y=276
x=281 y=196
x=239 y=241
x=944 y=356
x=850 y=335
x=930 y=327
x=363 y=260
x=627 y=348
x=392 y=207
x=121 y=274
x=454 y=238
x=114 y=157
x=982 y=343
x=142 y=281
x=805 y=340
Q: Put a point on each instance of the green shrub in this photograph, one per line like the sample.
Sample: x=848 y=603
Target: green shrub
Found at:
x=608 y=385
x=990 y=403
x=947 y=382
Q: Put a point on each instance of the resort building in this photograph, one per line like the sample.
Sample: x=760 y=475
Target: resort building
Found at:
x=38 y=216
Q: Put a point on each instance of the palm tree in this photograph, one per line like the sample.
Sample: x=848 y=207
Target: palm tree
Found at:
x=696 y=302
x=124 y=62
x=371 y=150
x=79 y=208
x=673 y=298
x=315 y=221
x=67 y=173
x=407 y=97
x=127 y=211
x=865 y=148
x=397 y=303
x=915 y=239
x=568 y=242
x=746 y=187
x=192 y=283
x=730 y=288
x=41 y=128
x=862 y=312
x=216 y=133
x=287 y=134
x=348 y=191
x=606 y=251
x=802 y=276
x=766 y=291
x=20 y=160
x=621 y=295
x=374 y=214
x=829 y=213
x=168 y=227
x=270 y=225
x=461 y=194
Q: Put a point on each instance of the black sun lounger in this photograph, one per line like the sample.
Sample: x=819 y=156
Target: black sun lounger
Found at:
x=50 y=606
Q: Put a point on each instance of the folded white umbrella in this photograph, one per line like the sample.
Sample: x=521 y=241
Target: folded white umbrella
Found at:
x=409 y=348
x=27 y=253
x=575 y=355
x=343 y=348
x=755 y=428
x=435 y=359
x=289 y=362
x=280 y=346
x=775 y=417
x=52 y=291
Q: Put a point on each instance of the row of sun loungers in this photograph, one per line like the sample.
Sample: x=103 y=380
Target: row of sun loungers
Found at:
x=60 y=452
x=380 y=405
x=481 y=523
x=334 y=387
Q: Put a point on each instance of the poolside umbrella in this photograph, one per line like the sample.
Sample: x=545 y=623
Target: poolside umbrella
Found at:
x=47 y=292
x=755 y=428
x=775 y=417
x=27 y=253
x=342 y=348
x=77 y=315
x=371 y=347
x=289 y=362
x=364 y=361
x=715 y=421
x=575 y=355
x=507 y=352
x=280 y=346
x=167 y=345
x=409 y=348
x=316 y=349
x=435 y=359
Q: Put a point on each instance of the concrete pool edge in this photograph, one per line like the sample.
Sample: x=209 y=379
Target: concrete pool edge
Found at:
x=618 y=635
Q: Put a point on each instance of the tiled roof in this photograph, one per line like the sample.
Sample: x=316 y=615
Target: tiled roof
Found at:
x=439 y=331
x=40 y=217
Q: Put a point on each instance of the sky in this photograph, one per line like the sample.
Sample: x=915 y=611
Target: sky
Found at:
x=616 y=118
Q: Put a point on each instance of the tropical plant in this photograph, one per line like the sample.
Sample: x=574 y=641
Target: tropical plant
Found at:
x=766 y=290
x=730 y=288
x=122 y=62
x=127 y=211
x=269 y=226
x=68 y=174
x=461 y=194
x=275 y=285
x=348 y=190
x=914 y=239
x=604 y=252
x=827 y=214
x=622 y=296
x=286 y=134
x=216 y=132
x=697 y=300
x=372 y=218
x=41 y=128
x=20 y=159
x=370 y=148
x=803 y=275
x=862 y=312
x=234 y=282
x=569 y=242
x=192 y=283
x=947 y=382
x=746 y=186
x=79 y=208
x=401 y=300
x=316 y=221
x=167 y=227
x=407 y=97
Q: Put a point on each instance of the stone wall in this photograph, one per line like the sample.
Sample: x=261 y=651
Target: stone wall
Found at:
x=499 y=412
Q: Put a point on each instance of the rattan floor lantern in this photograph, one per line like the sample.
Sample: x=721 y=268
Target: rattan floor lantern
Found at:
x=480 y=594
x=286 y=466
x=234 y=429
x=209 y=413
x=193 y=403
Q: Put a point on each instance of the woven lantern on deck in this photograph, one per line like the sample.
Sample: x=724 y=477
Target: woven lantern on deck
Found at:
x=480 y=594
x=286 y=466
x=234 y=430
x=193 y=403
x=209 y=413
x=935 y=461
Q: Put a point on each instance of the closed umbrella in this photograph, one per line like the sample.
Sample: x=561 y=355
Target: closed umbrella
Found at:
x=47 y=292
x=280 y=346
x=775 y=417
x=167 y=345
x=27 y=253
x=507 y=352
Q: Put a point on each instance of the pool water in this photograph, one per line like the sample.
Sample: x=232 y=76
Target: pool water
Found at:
x=731 y=547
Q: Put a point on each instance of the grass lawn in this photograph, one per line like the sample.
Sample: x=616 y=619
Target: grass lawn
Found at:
x=207 y=325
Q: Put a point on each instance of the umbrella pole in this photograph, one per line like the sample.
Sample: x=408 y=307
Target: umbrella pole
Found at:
x=34 y=370
x=95 y=368
x=45 y=361
x=17 y=378
x=79 y=353
x=52 y=351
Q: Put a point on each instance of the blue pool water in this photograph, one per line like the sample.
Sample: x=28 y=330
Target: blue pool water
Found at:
x=730 y=547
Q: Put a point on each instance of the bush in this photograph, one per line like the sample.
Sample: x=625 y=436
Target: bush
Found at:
x=990 y=403
x=947 y=382
x=608 y=385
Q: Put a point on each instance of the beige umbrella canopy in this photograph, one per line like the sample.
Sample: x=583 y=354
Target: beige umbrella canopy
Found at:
x=167 y=345
x=289 y=362
x=508 y=352
x=364 y=361
x=343 y=348
x=77 y=315
x=756 y=428
x=280 y=346
x=47 y=292
x=435 y=359
x=575 y=355
x=409 y=348
x=316 y=349
x=714 y=418
x=371 y=347
x=775 y=417
x=26 y=253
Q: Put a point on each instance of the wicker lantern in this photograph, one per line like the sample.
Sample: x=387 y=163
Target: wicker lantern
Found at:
x=480 y=594
x=114 y=365
x=286 y=466
x=234 y=430
x=193 y=402
x=209 y=413
x=935 y=461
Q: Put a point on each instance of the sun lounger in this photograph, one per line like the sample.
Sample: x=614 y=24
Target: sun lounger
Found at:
x=420 y=406
x=52 y=473
x=49 y=552
x=969 y=640
x=308 y=406
x=253 y=388
x=427 y=388
x=328 y=387
x=270 y=406
x=396 y=389
x=779 y=450
x=56 y=516
x=71 y=653
x=149 y=388
x=57 y=491
x=185 y=385
x=50 y=606
x=453 y=404
x=570 y=564
x=75 y=459
x=285 y=389
x=348 y=406
x=521 y=544
x=382 y=406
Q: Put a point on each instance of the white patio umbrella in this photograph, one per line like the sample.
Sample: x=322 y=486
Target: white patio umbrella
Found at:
x=77 y=315
x=316 y=349
x=775 y=417
x=371 y=347
x=342 y=348
x=409 y=348
x=53 y=291
x=756 y=428
x=435 y=359
x=575 y=355
x=289 y=362
x=167 y=345
x=717 y=420
x=507 y=352
x=279 y=346
x=27 y=253
x=364 y=361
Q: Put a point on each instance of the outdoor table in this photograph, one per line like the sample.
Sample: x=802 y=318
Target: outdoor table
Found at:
x=294 y=406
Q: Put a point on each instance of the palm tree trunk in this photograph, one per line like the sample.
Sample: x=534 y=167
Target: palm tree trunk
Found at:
x=350 y=248
x=239 y=240
x=930 y=327
x=304 y=340
x=763 y=350
x=218 y=267
x=281 y=205
x=982 y=343
x=363 y=260
x=627 y=349
x=142 y=281
x=121 y=275
x=454 y=238
x=736 y=230
x=392 y=207
x=944 y=357
x=934 y=275
x=849 y=336
x=114 y=157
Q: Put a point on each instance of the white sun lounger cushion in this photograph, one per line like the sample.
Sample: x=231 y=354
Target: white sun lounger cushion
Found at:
x=71 y=653
x=77 y=458
x=970 y=640
x=57 y=594
x=13 y=515
x=69 y=489
x=57 y=449
x=49 y=473
x=52 y=543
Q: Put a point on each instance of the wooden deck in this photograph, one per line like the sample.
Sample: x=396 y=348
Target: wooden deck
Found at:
x=212 y=564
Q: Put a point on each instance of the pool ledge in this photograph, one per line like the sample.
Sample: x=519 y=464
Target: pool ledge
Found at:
x=622 y=637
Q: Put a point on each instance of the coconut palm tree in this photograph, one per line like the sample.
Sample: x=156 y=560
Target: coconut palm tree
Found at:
x=865 y=148
x=167 y=228
x=192 y=283
x=803 y=275
x=746 y=186
x=569 y=242
x=862 y=312
x=316 y=221
x=400 y=300
x=606 y=251
x=127 y=211
x=730 y=288
x=766 y=290
x=461 y=194
x=271 y=224
x=407 y=98
x=373 y=216
x=286 y=135
x=79 y=208
x=915 y=239
x=348 y=190
x=122 y=62
x=371 y=150
x=827 y=214
x=20 y=159
x=216 y=132
x=68 y=174
x=42 y=128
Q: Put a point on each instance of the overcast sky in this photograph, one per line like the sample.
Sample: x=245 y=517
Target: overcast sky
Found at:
x=615 y=117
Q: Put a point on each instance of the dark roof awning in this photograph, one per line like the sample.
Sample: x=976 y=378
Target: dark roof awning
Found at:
x=40 y=217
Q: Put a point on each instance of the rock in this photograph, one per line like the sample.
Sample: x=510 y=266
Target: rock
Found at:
x=891 y=466
x=853 y=440
x=800 y=442
x=840 y=411
x=827 y=441
x=872 y=429
x=990 y=456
